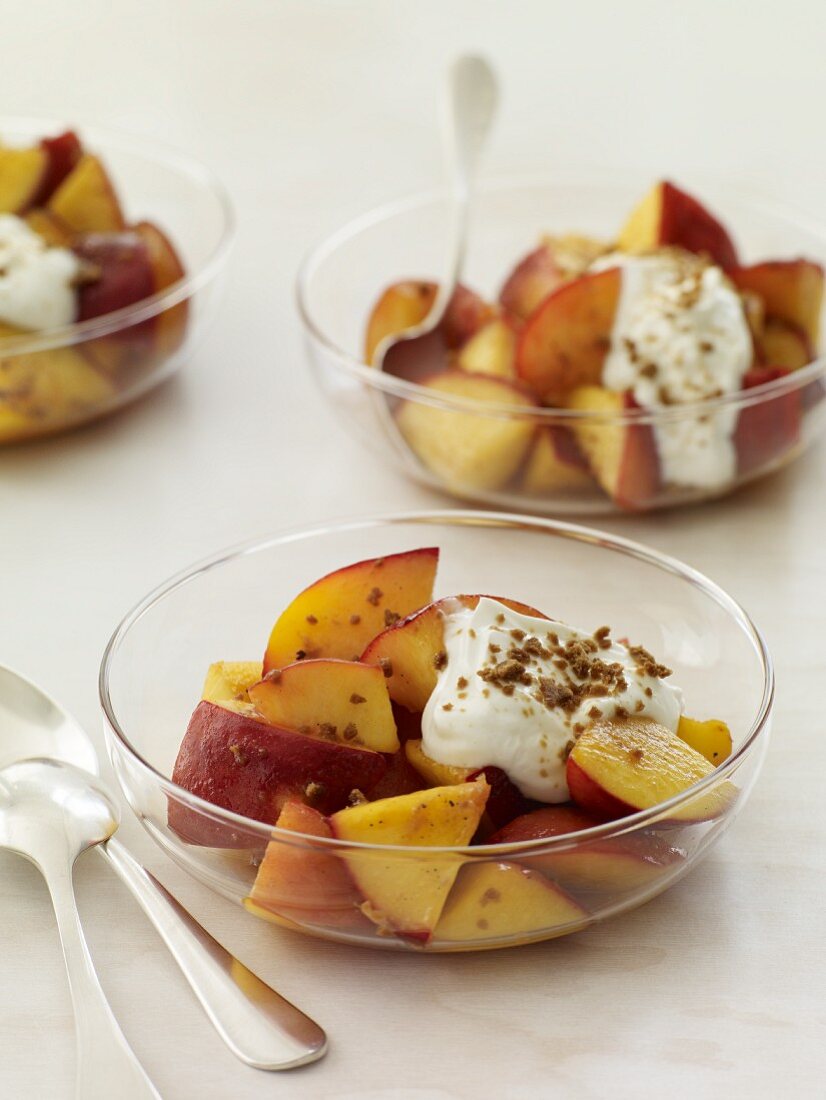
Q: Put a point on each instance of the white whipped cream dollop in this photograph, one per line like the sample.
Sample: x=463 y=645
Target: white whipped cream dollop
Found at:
x=37 y=288
x=680 y=335
x=517 y=690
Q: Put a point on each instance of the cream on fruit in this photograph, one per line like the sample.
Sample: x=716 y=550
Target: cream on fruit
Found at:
x=680 y=335
x=37 y=283
x=516 y=691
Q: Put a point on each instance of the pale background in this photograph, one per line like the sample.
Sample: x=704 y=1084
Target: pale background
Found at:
x=311 y=112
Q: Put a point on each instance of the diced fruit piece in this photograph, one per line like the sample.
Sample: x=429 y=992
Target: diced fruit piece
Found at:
x=405 y=893
x=502 y=901
x=468 y=451
x=86 y=200
x=406 y=304
x=410 y=651
x=769 y=430
x=555 y=464
x=592 y=869
x=125 y=274
x=302 y=883
x=669 y=216
x=619 y=767
x=784 y=345
x=340 y=700
x=236 y=761
x=792 y=291
x=535 y=277
x=22 y=172
x=622 y=454
x=492 y=350
x=230 y=681
x=431 y=771
x=339 y=614
x=49 y=227
x=712 y=738
x=167 y=269
x=565 y=342
x=62 y=154
x=505 y=801
x=44 y=389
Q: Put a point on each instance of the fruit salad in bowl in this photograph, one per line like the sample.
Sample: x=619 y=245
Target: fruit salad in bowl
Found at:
x=651 y=362
x=416 y=766
x=101 y=289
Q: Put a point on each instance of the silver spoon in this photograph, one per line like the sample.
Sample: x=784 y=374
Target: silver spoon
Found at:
x=260 y=1027
x=51 y=812
x=471 y=105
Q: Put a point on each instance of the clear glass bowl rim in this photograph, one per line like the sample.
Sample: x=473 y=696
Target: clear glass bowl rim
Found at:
x=464 y=517
x=150 y=149
x=413 y=391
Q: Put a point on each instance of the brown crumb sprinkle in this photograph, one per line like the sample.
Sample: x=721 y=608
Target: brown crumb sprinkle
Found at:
x=461 y=683
x=355 y=698
x=391 y=617
x=447 y=706
x=312 y=620
x=239 y=755
x=327 y=730
x=440 y=660
x=386 y=666
x=355 y=620
x=314 y=791
x=356 y=798
x=647 y=664
x=350 y=731
x=374 y=596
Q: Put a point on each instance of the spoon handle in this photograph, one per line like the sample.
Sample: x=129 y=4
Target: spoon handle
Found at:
x=106 y=1064
x=258 y=1025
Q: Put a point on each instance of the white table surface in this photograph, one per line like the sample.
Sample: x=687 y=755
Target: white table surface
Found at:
x=311 y=112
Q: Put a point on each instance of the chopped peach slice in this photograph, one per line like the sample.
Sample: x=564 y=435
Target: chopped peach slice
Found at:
x=619 y=767
x=622 y=454
x=230 y=680
x=468 y=450
x=167 y=268
x=565 y=342
x=712 y=738
x=341 y=700
x=86 y=199
x=302 y=883
x=792 y=291
x=492 y=350
x=535 y=277
x=669 y=216
x=22 y=172
x=339 y=614
x=49 y=227
x=783 y=345
x=431 y=771
x=404 y=893
x=555 y=464
x=502 y=901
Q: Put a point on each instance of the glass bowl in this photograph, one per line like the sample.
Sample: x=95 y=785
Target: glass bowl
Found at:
x=60 y=378
x=153 y=668
x=341 y=278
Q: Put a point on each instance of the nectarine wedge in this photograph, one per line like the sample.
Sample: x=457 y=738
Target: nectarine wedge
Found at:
x=22 y=172
x=503 y=901
x=340 y=613
x=405 y=892
x=340 y=700
x=302 y=883
x=783 y=345
x=620 y=767
x=468 y=450
x=669 y=216
x=234 y=760
x=535 y=277
x=565 y=342
x=792 y=291
x=768 y=431
x=86 y=199
x=431 y=771
x=555 y=464
x=492 y=350
x=622 y=454
x=167 y=268
x=230 y=681
x=711 y=738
